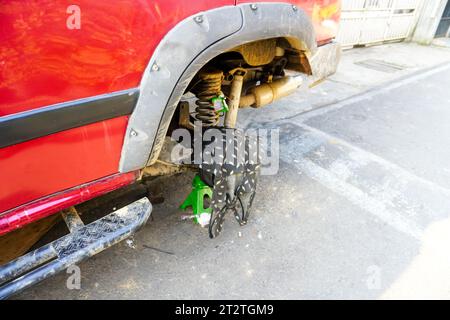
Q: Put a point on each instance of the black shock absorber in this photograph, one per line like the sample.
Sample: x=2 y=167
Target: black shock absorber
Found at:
x=208 y=87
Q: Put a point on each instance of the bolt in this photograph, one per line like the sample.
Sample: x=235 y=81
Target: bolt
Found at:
x=253 y=6
x=133 y=133
x=294 y=8
x=155 y=67
x=198 y=19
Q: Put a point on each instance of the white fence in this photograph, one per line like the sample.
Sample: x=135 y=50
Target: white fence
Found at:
x=370 y=21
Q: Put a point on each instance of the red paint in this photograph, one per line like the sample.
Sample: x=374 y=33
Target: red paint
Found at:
x=42 y=62
x=16 y=218
x=46 y=165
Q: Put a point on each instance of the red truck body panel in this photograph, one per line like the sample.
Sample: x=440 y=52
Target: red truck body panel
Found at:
x=42 y=62
x=46 y=165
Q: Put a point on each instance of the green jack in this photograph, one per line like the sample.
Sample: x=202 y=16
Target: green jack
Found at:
x=196 y=198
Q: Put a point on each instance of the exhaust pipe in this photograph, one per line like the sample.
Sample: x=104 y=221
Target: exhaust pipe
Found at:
x=269 y=92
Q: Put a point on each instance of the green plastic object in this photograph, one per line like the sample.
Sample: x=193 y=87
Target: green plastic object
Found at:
x=196 y=197
x=220 y=104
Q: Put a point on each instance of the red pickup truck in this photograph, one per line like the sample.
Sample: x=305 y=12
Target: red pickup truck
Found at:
x=90 y=89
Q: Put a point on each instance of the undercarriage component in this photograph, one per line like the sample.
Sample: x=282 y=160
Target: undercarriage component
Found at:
x=170 y=162
x=269 y=92
x=16 y=243
x=83 y=242
x=161 y=168
x=206 y=89
x=72 y=219
x=184 y=118
x=258 y=53
x=235 y=96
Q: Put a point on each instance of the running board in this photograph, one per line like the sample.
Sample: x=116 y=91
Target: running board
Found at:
x=82 y=242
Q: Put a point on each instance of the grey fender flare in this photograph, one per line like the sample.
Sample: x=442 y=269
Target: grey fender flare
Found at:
x=185 y=50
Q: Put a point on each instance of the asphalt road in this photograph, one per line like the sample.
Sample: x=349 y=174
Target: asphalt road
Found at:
x=359 y=209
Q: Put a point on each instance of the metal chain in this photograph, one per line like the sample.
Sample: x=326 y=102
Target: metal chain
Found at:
x=234 y=182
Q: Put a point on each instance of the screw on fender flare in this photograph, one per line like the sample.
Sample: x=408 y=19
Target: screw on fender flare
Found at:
x=198 y=19
x=253 y=6
x=294 y=8
x=155 y=67
x=133 y=133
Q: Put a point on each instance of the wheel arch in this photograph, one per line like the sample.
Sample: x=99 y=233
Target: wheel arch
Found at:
x=186 y=49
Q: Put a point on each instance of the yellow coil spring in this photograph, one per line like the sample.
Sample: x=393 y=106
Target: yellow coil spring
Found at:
x=209 y=86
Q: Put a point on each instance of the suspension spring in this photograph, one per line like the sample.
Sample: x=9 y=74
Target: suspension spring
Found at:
x=209 y=86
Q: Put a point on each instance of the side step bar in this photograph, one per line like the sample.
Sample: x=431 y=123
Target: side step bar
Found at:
x=82 y=242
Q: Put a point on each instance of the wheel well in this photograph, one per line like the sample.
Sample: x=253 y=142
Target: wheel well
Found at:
x=264 y=60
x=262 y=52
x=191 y=45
